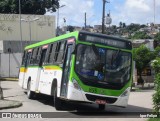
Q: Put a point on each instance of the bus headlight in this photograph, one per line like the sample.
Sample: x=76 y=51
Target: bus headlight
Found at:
x=76 y=85
x=126 y=92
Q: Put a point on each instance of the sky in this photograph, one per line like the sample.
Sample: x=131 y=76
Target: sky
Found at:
x=126 y=11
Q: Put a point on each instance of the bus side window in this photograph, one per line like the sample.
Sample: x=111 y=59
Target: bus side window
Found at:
x=28 y=57
x=61 y=52
x=33 y=58
x=38 y=57
x=51 y=58
x=42 y=58
x=56 y=51
x=49 y=52
x=24 y=58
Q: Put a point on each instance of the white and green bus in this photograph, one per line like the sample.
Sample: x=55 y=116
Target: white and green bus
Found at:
x=79 y=66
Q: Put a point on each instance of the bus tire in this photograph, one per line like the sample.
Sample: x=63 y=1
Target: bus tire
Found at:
x=30 y=94
x=101 y=107
x=57 y=101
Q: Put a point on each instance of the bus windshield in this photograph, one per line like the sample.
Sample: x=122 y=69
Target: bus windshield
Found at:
x=102 y=65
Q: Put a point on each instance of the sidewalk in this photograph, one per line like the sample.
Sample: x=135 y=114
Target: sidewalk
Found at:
x=4 y=103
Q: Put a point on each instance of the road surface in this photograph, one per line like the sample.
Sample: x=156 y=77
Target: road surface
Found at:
x=139 y=101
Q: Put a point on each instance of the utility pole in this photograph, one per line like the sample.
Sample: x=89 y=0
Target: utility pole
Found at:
x=20 y=27
x=85 y=20
x=154 y=12
x=1 y=90
x=103 y=15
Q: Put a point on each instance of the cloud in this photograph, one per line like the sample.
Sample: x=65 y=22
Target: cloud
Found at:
x=136 y=11
x=127 y=11
x=74 y=11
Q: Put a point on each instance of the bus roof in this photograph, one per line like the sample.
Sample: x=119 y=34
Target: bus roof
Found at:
x=72 y=34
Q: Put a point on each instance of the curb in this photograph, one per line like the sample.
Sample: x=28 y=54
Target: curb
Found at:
x=8 y=79
x=6 y=104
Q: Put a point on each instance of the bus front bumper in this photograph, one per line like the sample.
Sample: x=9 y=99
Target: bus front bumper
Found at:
x=76 y=94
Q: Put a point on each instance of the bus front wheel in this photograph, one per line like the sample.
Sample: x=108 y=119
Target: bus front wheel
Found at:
x=101 y=107
x=57 y=101
x=30 y=94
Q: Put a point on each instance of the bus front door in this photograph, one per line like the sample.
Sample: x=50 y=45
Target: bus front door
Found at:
x=27 y=58
x=66 y=70
x=40 y=69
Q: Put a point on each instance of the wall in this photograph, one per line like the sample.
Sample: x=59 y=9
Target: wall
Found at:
x=41 y=29
x=34 y=28
x=9 y=64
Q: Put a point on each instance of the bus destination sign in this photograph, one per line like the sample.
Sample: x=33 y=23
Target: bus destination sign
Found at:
x=106 y=41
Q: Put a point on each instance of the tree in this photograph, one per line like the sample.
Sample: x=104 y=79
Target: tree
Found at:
x=70 y=28
x=120 y=24
x=157 y=51
x=142 y=56
x=124 y=25
x=157 y=40
x=156 y=96
x=140 y=35
x=143 y=26
x=28 y=6
x=157 y=37
x=133 y=27
x=113 y=29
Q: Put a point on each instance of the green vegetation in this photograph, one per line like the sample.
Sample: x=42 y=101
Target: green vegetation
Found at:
x=28 y=6
x=157 y=37
x=133 y=27
x=154 y=119
x=156 y=96
x=157 y=51
x=140 y=35
x=142 y=56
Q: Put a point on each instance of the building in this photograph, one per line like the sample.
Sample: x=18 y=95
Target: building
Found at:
x=16 y=33
x=149 y=43
x=98 y=28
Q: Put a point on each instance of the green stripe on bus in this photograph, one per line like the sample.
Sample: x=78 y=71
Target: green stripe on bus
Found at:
x=73 y=34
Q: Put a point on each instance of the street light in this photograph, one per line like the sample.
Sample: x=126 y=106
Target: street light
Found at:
x=29 y=21
x=58 y=17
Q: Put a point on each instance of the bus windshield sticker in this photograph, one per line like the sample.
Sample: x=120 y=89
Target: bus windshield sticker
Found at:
x=45 y=47
x=95 y=73
x=102 y=51
x=100 y=76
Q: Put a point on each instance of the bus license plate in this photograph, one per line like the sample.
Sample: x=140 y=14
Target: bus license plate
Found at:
x=100 y=101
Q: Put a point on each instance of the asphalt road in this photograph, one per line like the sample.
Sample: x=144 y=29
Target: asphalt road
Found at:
x=139 y=102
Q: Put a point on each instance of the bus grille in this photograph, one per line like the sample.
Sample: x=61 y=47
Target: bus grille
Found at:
x=107 y=99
